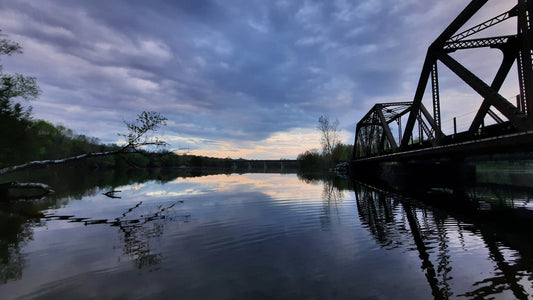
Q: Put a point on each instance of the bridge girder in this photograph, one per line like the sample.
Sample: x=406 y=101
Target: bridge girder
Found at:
x=374 y=134
x=515 y=48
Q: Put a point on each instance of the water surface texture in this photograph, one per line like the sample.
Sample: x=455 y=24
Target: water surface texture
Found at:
x=254 y=236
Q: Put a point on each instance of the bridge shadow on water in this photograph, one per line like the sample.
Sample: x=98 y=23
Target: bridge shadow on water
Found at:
x=490 y=200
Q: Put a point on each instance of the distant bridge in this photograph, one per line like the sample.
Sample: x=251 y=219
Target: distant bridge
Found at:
x=380 y=135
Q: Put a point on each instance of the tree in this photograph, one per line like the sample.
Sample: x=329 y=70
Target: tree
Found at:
x=15 y=86
x=139 y=130
x=310 y=160
x=342 y=153
x=14 y=118
x=329 y=134
x=15 y=122
x=138 y=135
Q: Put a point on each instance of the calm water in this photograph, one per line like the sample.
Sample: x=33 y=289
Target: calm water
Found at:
x=255 y=236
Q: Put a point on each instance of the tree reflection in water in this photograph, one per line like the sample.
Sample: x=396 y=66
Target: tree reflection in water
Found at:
x=333 y=193
x=12 y=261
x=16 y=222
x=136 y=239
x=18 y=218
x=439 y=238
x=397 y=221
x=139 y=230
x=331 y=197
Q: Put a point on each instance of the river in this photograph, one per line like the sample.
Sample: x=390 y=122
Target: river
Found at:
x=262 y=236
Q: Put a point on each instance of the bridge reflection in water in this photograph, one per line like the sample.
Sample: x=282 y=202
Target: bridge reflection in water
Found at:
x=475 y=247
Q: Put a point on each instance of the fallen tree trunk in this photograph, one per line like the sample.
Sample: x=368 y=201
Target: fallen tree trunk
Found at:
x=16 y=190
x=58 y=161
x=146 y=122
x=27 y=190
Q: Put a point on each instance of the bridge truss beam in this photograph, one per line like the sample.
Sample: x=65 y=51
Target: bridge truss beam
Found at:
x=514 y=47
x=374 y=134
x=517 y=48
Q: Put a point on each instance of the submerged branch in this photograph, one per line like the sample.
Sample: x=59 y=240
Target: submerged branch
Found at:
x=111 y=194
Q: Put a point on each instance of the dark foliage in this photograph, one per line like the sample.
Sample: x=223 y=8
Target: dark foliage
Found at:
x=311 y=160
x=314 y=161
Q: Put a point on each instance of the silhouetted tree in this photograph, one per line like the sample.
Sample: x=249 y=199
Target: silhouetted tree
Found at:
x=15 y=86
x=329 y=134
x=310 y=160
x=139 y=131
x=342 y=153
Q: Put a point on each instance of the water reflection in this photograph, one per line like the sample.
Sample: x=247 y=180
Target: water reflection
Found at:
x=137 y=234
x=391 y=220
x=11 y=260
x=137 y=230
x=397 y=221
x=16 y=223
x=333 y=193
x=266 y=235
x=19 y=218
x=141 y=225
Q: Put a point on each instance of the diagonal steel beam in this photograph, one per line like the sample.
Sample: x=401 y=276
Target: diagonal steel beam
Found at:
x=509 y=56
x=480 y=27
x=432 y=123
x=355 y=146
x=516 y=117
x=426 y=130
x=456 y=24
x=386 y=129
x=494 y=116
x=422 y=84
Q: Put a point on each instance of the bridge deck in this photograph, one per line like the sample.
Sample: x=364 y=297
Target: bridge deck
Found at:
x=510 y=143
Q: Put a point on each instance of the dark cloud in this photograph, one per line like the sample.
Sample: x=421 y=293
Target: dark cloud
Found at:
x=237 y=70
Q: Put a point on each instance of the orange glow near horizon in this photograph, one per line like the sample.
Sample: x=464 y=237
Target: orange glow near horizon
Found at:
x=282 y=145
x=278 y=186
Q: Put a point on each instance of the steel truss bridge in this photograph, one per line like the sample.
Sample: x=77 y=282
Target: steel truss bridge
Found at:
x=381 y=136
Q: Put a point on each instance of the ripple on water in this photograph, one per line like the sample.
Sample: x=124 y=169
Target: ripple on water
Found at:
x=264 y=236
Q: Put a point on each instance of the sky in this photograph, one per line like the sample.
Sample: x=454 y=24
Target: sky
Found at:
x=235 y=78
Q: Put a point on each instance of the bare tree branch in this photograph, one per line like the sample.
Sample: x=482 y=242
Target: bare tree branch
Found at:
x=329 y=134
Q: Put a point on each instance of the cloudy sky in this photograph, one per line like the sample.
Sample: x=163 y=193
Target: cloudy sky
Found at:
x=235 y=78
